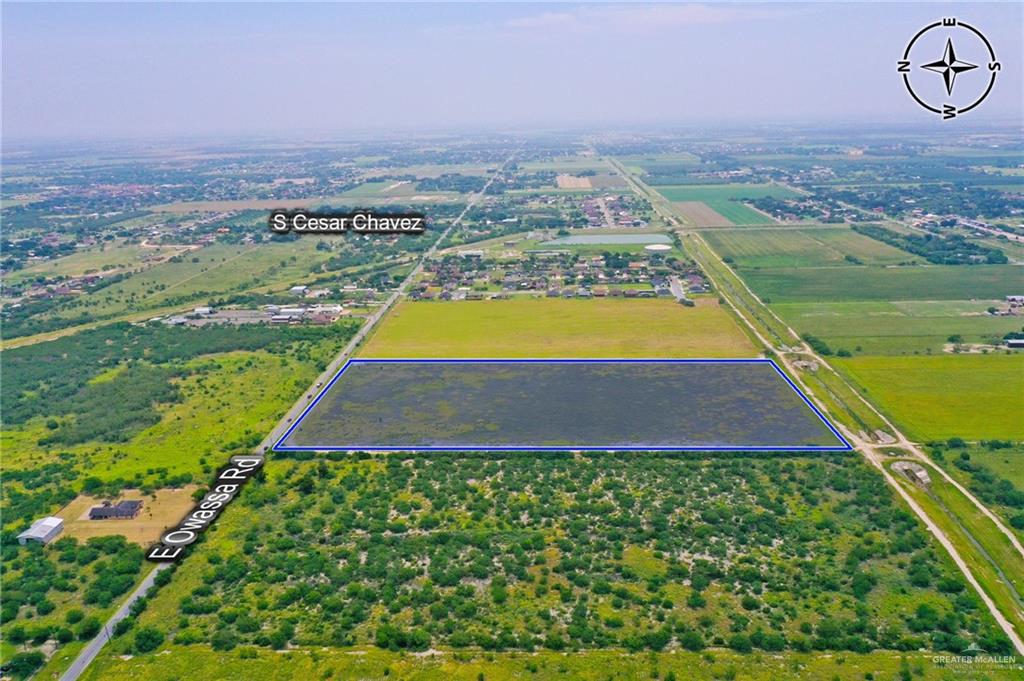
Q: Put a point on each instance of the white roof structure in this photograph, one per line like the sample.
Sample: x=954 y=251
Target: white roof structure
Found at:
x=42 y=530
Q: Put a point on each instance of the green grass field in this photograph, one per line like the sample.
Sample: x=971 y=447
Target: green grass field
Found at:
x=905 y=327
x=200 y=662
x=969 y=396
x=939 y=282
x=565 y=164
x=559 y=328
x=239 y=392
x=820 y=247
x=660 y=164
x=380 y=188
x=211 y=270
x=1006 y=463
x=737 y=213
x=723 y=192
x=116 y=255
x=726 y=199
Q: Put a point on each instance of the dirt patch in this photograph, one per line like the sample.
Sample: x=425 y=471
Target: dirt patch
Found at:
x=573 y=182
x=160 y=510
x=701 y=214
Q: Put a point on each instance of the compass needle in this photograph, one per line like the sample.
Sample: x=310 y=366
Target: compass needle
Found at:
x=949 y=66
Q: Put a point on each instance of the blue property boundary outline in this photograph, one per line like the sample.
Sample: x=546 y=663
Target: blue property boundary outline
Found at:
x=279 y=446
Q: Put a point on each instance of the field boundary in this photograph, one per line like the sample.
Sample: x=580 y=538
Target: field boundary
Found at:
x=279 y=446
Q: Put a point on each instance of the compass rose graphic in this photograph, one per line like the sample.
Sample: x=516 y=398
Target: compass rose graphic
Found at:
x=949 y=66
x=969 y=93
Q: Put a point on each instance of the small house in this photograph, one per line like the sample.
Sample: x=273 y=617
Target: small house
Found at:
x=122 y=510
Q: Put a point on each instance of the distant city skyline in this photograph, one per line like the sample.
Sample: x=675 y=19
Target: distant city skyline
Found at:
x=137 y=70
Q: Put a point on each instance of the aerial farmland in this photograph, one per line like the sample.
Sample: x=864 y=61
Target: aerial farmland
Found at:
x=497 y=342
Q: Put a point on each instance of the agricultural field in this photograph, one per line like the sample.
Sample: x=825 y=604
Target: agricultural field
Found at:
x=727 y=199
x=570 y=165
x=899 y=328
x=635 y=552
x=558 y=328
x=932 y=282
x=700 y=214
x=734 y=211
x=785 y=248
x=673 y=168
x=974 y=397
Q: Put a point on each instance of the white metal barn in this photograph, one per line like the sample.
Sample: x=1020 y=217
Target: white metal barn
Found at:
x=43 y=531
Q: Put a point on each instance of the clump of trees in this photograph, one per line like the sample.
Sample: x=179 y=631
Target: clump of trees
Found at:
x=940 y=249
x=55 y=379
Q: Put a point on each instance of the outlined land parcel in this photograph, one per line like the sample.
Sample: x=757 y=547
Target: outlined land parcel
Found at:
x=469 y=404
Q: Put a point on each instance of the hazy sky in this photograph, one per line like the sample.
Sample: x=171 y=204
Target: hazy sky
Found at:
x=144 y=69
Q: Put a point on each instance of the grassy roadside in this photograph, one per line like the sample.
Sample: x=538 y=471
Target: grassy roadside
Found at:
x=200 y=662
x=985 y=556
x=843 y=403
x=729 y=284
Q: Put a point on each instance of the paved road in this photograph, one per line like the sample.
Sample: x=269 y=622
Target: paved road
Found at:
x=90 y=651
x=286 y=421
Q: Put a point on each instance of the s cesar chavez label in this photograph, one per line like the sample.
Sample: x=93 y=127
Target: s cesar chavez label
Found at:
x=225 y=486
x=358 y=221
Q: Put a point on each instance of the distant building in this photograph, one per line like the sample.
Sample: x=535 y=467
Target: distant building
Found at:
x=44 y=531
x=1015 y=343
x=122 y=510
x=913 y=472
x=203 y=311
x=298 y=290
